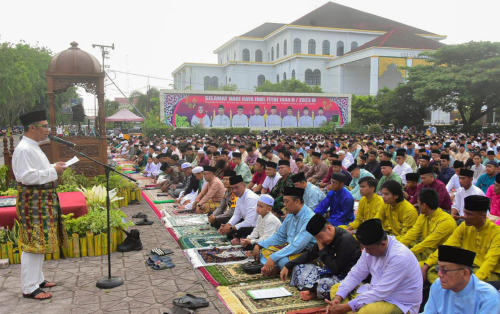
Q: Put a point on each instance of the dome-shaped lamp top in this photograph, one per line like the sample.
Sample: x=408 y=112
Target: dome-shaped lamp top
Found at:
x=74 y=61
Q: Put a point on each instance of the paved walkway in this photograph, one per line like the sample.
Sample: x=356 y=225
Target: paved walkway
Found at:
x=144 y=291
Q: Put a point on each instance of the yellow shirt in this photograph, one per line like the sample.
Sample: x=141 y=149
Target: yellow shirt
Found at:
x=485 y=242
x=367 y=209
x=429 y=231
x=398 y=219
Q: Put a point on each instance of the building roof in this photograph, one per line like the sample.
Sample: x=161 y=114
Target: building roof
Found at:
x=335 y=15
x=401 y=39
x=124 y=115
x=263 y=30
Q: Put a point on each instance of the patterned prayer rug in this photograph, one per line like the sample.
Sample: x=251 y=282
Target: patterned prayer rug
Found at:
x=205 y=240
x=185 y=220
x=231 y=274
x=188 y=231
x=220 y=255
x=238 y=301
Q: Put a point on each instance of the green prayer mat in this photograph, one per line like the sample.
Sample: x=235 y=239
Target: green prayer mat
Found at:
x=186 y=231
x=164 y=201
x=231 y=274
x=238 y=300
x=205 y=240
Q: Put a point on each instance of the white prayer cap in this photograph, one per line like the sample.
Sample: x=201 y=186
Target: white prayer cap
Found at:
x=154 y=155
x=197 y=170
x=341 y=152
x=201 y=151
x=266 y=199
x=185 y=165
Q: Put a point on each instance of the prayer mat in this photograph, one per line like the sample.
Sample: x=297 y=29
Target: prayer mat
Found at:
x=185 y=220
x=205 y=240
x=231 y=274
x=218 y=255
x=188 y=231
x=238 y=301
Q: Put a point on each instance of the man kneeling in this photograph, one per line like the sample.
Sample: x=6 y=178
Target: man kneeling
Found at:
x=291 y=238
x=336 y=249
x=396 y=284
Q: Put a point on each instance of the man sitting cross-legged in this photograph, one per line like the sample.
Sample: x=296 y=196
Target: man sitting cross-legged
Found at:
x=291 y=238
x=432 y=228
x=337 y=251
x=395 y=285
x=369 y=205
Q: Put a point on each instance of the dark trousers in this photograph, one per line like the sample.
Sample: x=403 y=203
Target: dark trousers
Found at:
x=243 y=232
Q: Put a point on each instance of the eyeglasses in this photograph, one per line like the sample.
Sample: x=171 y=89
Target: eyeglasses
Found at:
x=445 y=271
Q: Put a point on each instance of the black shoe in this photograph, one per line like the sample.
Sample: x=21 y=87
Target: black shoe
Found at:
x=140 y=215
x=132 y=242
x=143 y=222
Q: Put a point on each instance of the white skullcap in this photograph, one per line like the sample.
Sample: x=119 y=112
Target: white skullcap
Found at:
x=185 y=165
x=266 y=199
x=154 y=155
x=197 y=170
x=341 y=152
x=201 y=151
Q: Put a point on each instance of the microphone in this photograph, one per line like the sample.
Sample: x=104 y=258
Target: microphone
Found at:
x=61 y=141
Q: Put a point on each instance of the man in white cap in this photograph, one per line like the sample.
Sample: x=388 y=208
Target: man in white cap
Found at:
x=187 y=198
x=178 y=188
x=267 y=223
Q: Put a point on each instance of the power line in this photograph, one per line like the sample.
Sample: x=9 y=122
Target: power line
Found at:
x=141 y=75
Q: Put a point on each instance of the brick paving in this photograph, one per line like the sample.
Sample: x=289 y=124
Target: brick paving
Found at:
x=144 y=291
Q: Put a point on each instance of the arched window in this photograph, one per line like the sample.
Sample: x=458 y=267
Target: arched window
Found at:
x=272 y=53
x=284 y=75
x=206 y=82
x=277 y=51
x=214 y=82
x=354 y=45
x=340 y=48
x=284 y=48
x=311 y=47
x=297 y=46
x=277 y=78
x=316 y=77
x=309 y=77
x=245 y=55
x=293 y=74
x=258 y=55
x=261 y=79
x=326 y=48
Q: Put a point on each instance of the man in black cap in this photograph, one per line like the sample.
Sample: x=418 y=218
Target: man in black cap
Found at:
x=259 y=176
x=291 y=238
x=338 y=203
x=411 y=185
x=478 y=234
x=458 y=290
x=445 y=171
x=312 y=195
x=241 y=168
x=387 y=174
x=284 y=182
x=428 y=180
x=466 y=189
x=211 y=194
x=318 y=170
x=37 y=204
x=272 y=177
x=244 y=218
x=395 y=283
x=335 y=248
x=225 y=211
x=454 y=183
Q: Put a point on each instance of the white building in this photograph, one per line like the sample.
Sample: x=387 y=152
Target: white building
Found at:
x=341 y=49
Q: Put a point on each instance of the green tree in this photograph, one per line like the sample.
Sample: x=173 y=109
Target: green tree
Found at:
x=364 y=110
x=399 y=107
x=288 y=86
x=464 y=77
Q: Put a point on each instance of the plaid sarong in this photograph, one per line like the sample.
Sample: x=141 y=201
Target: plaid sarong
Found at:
x=41 y=227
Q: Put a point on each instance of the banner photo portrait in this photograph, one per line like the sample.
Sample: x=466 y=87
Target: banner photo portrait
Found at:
x=258 y=110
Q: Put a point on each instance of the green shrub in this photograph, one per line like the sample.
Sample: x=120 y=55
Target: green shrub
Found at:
x=96 y=221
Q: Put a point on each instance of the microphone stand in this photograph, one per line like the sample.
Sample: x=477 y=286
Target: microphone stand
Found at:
x=109 y=281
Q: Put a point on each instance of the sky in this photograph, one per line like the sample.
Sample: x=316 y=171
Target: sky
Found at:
x=153 y=38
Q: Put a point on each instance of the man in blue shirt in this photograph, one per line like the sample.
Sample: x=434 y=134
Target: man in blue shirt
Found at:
x=291 y=238
x=338 y=202
x=458 y=290
x=487 y=178
x=312 y=194
x=445 y=171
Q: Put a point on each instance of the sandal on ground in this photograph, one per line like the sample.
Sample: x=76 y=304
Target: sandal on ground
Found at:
x=190 y=301
x=144 y=222
x=46 y=284
x=140 y=215
x=162 y=265
x=153 y=259
x=161 y=252
x=33 y=295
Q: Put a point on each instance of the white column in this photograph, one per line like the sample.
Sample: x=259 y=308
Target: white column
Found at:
x=340 y=73
x=373 y=75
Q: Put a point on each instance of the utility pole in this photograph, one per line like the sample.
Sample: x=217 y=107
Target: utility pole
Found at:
x=104 y=52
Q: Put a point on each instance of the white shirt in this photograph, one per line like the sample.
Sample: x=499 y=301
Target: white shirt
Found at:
x=257 y=121
x=305 y=122
x=269 y=182
x=454 y=183
x=273 y=121
x=246 y=210
x=290 y=122
x=319 y=120
x=196 y=121
x=265 y=228
x=221 y=121
x=30 y=164
x=478 y=171
x=240 y=121
x=402 y=170
x=462 y=194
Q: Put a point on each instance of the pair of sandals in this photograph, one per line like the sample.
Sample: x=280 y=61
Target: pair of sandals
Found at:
x=144 y=219
x=190 y=301
x=159 y=259
x=34 y=294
